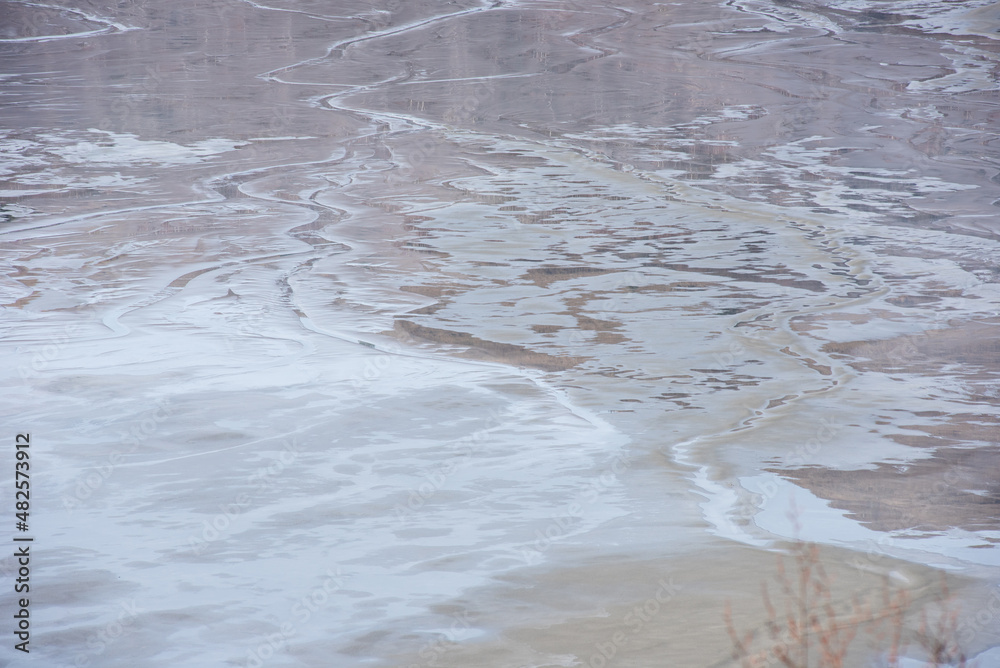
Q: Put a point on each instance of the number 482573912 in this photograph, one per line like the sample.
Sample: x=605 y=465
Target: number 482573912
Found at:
x=22 y=481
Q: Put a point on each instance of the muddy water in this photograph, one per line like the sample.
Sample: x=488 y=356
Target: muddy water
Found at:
x=395 y=334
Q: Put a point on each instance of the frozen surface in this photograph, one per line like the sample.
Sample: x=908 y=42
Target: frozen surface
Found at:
x=342 y=330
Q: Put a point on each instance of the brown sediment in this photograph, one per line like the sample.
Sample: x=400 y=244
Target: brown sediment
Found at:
x=822 y=369
x=963 y=427
x=543 y=276
x=812 y=322
x=609 y=338
x=435 y=291
x=975 y=345
x=761 y=275
x=956 y=487
x=911 y=301
x=596 y=325
x=665 y=611
x=493 y=351
x=774 y=403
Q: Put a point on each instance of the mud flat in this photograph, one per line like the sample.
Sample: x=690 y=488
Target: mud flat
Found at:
x=522 y=333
